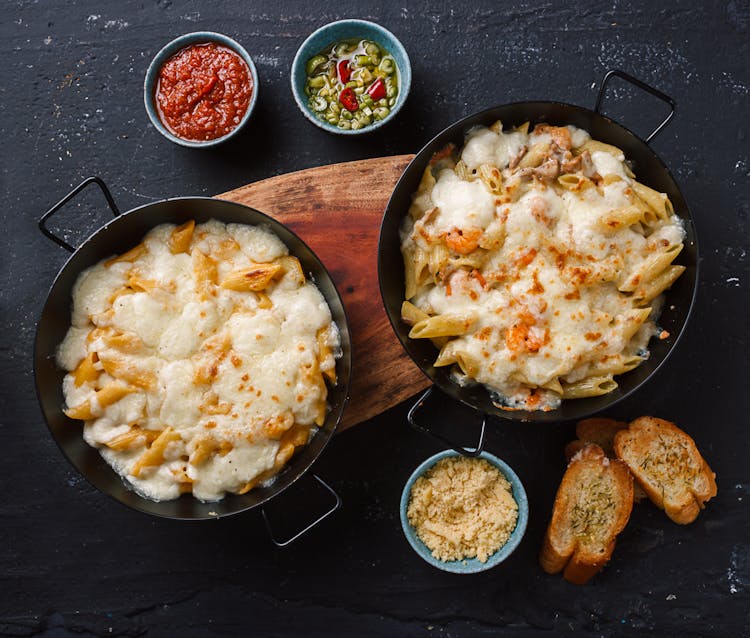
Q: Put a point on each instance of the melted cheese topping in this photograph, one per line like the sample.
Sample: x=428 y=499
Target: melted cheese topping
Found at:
x=231 y=373
x=537 y=264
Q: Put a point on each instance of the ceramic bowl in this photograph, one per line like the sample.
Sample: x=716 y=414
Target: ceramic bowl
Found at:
x=349 y=30
x=468 y=565
x=152 y=76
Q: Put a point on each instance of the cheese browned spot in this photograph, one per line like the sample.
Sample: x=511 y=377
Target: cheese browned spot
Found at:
x=188 y=347
x=543 y=236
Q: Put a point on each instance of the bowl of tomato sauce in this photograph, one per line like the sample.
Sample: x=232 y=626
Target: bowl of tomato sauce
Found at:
x=201 y=89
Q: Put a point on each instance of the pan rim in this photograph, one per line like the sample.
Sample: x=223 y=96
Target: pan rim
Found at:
x=463 y=125
x=345 y=364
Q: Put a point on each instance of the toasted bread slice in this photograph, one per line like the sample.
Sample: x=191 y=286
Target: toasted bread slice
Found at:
x=592 y=507
x=601 y=431
x=667 y=464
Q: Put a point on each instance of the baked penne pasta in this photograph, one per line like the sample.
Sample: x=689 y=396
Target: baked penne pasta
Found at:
x=652 y=288
x=253 y=279
x=180 y=238
x=442 y=326
x=199 y=360
x=533 y=259
x=588 y=387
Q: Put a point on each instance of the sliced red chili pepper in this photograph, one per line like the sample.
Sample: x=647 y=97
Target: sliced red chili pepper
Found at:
x=344 y=71
x=377 y=89
x=348 y=98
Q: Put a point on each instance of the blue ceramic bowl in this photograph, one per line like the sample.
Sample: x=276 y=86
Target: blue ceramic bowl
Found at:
x=152 y=76
x=469 y=565
x=349 y=30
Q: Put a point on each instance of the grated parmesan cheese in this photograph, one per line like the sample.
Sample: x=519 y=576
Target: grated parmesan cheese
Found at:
x=462 y=508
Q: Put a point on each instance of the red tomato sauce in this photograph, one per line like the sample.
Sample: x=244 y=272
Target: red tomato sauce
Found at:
x=203 y=92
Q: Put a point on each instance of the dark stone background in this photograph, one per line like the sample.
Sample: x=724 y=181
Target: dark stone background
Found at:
x=73 y=561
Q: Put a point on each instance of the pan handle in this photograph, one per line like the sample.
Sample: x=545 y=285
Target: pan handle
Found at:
x=472 y=452
x=643 y=86
x=89 y=180
x=291 y=539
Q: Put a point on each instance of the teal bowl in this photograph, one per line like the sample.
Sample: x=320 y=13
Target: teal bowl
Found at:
x=349 y=30
x=468 y=565
x=152 y=76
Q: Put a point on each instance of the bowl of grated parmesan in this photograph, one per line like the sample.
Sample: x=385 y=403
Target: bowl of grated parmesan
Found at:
x=464 y=515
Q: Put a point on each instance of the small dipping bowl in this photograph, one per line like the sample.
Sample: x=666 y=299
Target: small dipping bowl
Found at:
x=152 y=78
x=349 y=30
x=467 y=565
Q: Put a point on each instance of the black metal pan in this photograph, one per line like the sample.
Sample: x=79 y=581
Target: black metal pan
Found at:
x=121 y=233
x=648 y=168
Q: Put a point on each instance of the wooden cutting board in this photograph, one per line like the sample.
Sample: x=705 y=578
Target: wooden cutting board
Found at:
x=337 y=211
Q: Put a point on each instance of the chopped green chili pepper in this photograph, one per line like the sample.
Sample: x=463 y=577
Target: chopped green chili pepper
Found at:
x=314 y=62
x=357 y=75
x=319 y=104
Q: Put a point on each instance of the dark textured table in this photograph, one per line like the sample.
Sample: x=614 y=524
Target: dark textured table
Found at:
x=72 y=561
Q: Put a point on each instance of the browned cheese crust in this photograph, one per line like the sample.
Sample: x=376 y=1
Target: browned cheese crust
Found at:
x=668 y=466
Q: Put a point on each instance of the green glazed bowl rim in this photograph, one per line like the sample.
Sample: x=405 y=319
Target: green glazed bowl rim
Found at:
x=167 y=51
x=468 y=565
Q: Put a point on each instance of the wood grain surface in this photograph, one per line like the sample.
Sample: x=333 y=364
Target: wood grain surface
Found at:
x=329 y=208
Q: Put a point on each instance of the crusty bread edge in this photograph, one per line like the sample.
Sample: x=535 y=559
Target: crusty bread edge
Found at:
x=577 y=568
x=681 y=515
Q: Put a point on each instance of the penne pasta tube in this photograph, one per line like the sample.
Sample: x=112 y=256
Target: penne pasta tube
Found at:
x=442 y=326
x=492 y=178
x=632 y=321
x=447 y=355
x=132 y=438
x=592 y=146
x=650 y=268
x=410 y=274
x=616 y=365
x=204 y=272
x=437 y=261
x=589 y=387
x=535 y=155
x=255 y=278
x=468 y=364
x=654 y=287
x=86 y=370
x=321 y=409
x=154 y=455
x=131 y=255
x=325 y=356
x=179 y=240
x=554 y=385
x=203 y=449
x=421 y=270
x=619 y=218
x=658 y=202
x=109 y=394
x=462 y=171
x=128 y=342
x=292 y=268
x=497 y=127
x=422 y=201
x=264 y=301
x=410 y=314
x=119 y=368
x=572 y=181
x=139 y=284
